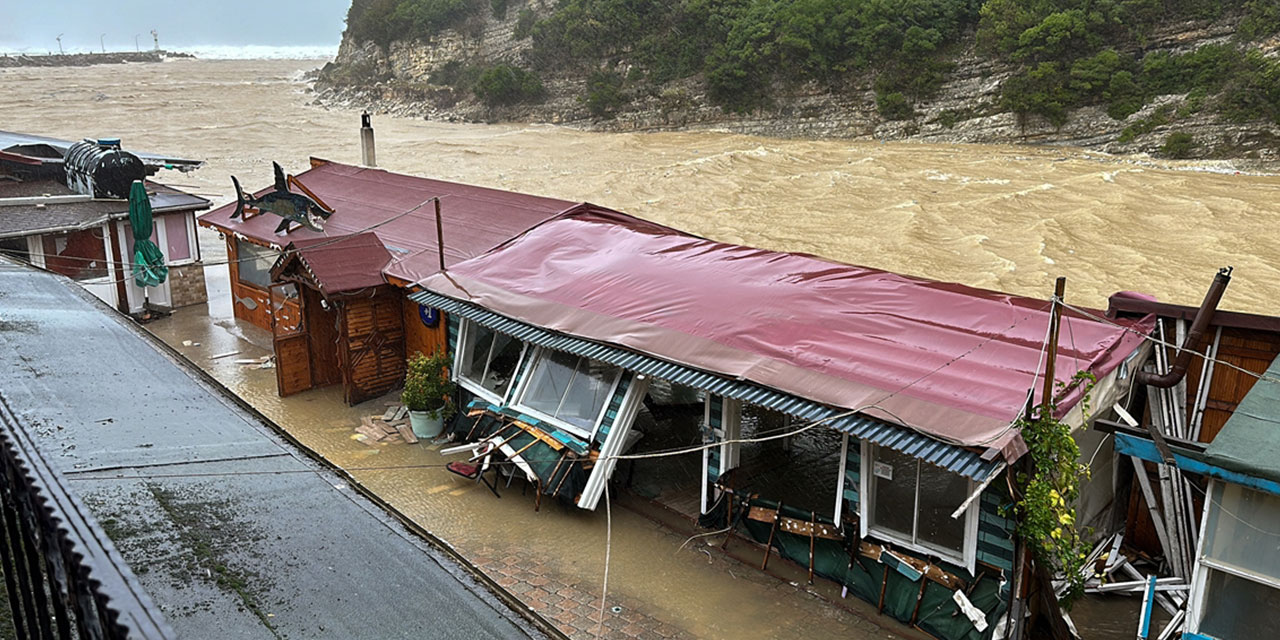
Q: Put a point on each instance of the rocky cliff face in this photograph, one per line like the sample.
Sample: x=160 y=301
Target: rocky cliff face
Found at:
x=399 y=80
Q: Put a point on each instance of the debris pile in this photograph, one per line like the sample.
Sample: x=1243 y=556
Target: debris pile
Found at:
x=391 y=427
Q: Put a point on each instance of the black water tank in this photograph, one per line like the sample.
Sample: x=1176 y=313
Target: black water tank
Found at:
x=101 y=169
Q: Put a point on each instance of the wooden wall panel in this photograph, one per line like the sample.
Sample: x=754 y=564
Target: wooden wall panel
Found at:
x=373 y=344
x=293 y=364
x=418 y=337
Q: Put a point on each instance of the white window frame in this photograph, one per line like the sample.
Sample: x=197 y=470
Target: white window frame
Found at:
x=193 y=246
x=866 y=506
x=464 y=330
x=1200 y=574
x=518 y=397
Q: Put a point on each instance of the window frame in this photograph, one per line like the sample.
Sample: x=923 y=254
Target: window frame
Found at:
x=193 y=246
x=464 y=331
x=1204 y=564
x=517 y=398
x=966 y=557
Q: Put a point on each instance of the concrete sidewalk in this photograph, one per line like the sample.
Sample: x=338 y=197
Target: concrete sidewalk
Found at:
x=552 y=560
x=232 y=531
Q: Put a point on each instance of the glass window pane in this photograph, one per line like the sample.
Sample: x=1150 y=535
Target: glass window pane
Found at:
x=940 y=493
x=475 y=353
x=1239 y=608
x=588 y=394
x=894 y=496
x=1243 y=529
x=548 y=381
x=254 y=264
x=179 y=245
x=502 y=364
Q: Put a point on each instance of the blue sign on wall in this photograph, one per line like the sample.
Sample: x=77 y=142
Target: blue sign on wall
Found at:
x=430 y=317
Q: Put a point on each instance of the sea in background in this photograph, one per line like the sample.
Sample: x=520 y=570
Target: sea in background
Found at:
x=1010 y=218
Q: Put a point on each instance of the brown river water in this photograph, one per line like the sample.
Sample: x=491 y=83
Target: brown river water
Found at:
x=1002 y=217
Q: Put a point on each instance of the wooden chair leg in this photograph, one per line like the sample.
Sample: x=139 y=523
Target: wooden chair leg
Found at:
x=768 y=547
x=813 y=526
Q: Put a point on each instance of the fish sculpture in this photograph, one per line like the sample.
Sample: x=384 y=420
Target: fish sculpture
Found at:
x=293 y=207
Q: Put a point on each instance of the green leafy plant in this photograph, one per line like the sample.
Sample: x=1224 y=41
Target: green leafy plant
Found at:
x=1046 y=510
x=505 y=84
x=426 y=384
x=524 y=23
x=1178 y=145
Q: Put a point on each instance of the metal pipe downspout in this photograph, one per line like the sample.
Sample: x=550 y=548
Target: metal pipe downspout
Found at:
x=1192 y=342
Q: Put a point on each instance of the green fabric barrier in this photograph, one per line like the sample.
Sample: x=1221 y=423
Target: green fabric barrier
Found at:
x=938 y=614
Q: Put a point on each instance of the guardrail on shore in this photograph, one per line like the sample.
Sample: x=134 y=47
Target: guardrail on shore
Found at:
x=63 y=576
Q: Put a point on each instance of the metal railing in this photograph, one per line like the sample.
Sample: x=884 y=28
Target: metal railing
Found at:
x=63 y=576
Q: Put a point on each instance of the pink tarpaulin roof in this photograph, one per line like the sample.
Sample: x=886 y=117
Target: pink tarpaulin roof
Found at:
x=340 y=265
x=951 y=361
x=475 y=219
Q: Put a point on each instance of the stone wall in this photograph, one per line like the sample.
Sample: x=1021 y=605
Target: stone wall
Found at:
x=186 y=285
x=966 y=109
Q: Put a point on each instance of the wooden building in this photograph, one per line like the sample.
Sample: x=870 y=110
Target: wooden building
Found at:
x=336 y=300
x=66 y=227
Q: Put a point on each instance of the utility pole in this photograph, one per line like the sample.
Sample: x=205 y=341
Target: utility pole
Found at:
x=102 y=40
x=156 y=37
x=59 y=39
x=136 y=48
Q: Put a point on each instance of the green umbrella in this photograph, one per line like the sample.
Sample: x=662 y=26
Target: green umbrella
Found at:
x=148 y=261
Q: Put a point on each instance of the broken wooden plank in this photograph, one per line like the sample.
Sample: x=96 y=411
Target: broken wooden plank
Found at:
x=390 y=413
x=407 y=434
x=401 y=413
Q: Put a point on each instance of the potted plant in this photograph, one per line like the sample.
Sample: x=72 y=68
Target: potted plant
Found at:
x=427 y=393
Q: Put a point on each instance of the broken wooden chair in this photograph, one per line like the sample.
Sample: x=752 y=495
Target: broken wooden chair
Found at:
x=474 y=470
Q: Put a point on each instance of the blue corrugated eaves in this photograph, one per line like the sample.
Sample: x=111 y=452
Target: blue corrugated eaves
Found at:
x=953 y=458
x=615 y=403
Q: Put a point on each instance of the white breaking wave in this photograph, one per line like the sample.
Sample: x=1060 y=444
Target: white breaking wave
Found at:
x=260 y=52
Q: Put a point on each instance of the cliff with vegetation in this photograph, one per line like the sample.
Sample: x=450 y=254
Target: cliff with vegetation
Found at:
x=1178 y=78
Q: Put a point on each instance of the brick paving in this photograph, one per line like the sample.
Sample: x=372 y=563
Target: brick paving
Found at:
x=573 y=609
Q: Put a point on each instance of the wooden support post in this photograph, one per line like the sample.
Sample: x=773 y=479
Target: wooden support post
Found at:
x=915 y=613
x=439 y=234
x=813 y=532
x=884 y=585
x=1051 y=358
x=768 y=547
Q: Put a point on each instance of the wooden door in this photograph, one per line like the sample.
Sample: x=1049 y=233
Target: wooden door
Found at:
x=373 y=336
x=292 y=347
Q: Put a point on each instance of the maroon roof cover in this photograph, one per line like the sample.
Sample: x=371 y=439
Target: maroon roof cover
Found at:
x=339 y=265
x=475 y=219
x=951 y=361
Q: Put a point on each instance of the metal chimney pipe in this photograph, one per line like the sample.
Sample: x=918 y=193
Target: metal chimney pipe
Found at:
x=1192 y=343
x=368 y=157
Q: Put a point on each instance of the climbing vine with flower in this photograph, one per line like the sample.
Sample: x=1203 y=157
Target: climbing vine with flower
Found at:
x=1047 y=507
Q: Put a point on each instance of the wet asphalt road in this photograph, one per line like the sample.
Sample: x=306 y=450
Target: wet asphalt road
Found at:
x=233 y=532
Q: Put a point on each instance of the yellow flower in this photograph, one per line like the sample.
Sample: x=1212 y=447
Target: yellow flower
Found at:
x=1065 y=518
x=1057 y=533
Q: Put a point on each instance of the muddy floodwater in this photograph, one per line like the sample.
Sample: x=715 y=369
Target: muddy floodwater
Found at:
x=1002 y=217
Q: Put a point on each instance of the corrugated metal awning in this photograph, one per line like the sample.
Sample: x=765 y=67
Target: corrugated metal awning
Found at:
x=948 y=456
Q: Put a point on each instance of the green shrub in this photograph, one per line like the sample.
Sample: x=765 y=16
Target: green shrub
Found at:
x=604 y=93
x=456 y=74
x=894 y=106
x=1262 y=19
x=499 y=8
x=505 y=85
x=1179 y=145
x=1041 y=90
x=1124 y=96
x=426 y=383
x=524 y=23
x=1146 y=125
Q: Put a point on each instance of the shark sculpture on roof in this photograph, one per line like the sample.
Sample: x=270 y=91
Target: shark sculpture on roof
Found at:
x=303 y=208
